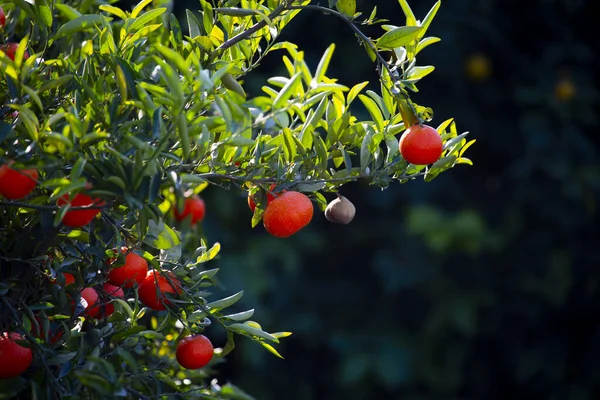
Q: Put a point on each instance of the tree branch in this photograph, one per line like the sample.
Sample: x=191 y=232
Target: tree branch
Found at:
x=254 y=28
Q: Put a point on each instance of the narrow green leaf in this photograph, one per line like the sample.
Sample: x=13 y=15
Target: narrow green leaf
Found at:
x=400 y=36
x=417 y=73
x=139 y=7
x=68 y=11
x=210 y=254
x=411 y=20
x=193 y=24
x=113 y=10
x=355 y=91
x=324 y=63
x=78 y=24
x=250 y=331
x=174 y=57
x=287 y=91
x=44 y=11
x=145 y=18
x=374 y=111
x=226 y=302
x=182 y=128
x=241 y=316
x=429 y=17
x=271 y=349
x=426 y=42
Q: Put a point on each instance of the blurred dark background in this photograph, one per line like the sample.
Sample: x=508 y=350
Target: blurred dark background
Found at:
x=483 y=284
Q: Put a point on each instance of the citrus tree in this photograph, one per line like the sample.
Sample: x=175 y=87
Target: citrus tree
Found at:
x=112 y=123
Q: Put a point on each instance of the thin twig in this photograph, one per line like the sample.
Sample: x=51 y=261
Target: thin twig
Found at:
x=253 y=29
x=352 y=26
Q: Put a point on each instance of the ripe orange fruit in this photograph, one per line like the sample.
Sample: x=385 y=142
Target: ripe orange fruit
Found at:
x=287 y=214
x=79 y=218
x=421 y=145
x=11 y=49
x=89 y=297
x=270 y=197
x=17 y=184
x=134 y=270
x=106 y=310
x=152 y=289
x=193 y=207
x=15 y=358
x=69 y=278
x=194 y=352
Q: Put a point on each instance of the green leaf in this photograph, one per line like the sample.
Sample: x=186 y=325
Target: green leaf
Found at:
x=113 y=10
x=281 y=335
x=251 y=331
x=324 y=63
x=44 y=11
x=417 y=73
x=374 y=111
x=193 y=24
x=287 y=91
x=426 y=42
x=145 y=18
x=271 y=349
x=429 y=17
x=411 y=20
x=241 y=316
x=226 y=302
x=60 y=358
x=355 y=91
x=139 y=7
x=164 y=237
x=68 y=11
x=210 y=254
x=310 y=187
x=400 y=36
x=79 y=24
x=347 y=7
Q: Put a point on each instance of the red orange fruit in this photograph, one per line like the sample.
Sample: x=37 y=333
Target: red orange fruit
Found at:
x=287 y=214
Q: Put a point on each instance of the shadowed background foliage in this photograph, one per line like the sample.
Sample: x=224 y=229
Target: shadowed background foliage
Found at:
x=483 y=284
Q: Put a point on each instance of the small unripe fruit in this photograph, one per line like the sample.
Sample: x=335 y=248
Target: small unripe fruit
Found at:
x=340 y=211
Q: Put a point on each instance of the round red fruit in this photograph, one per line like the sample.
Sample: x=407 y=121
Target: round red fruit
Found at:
x=106 y=308
x=193 y=208
x=69 y=278
x=421 y=145
x=79 y=218
x=134 y=270
x=155 y=285
x=89 y=297
x=15 y=358
x=17 y=184
x=194 y=352
x=10 y=49
x=287 y=214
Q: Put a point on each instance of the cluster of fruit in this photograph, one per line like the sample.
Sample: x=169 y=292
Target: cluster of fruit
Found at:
x=285 y=213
